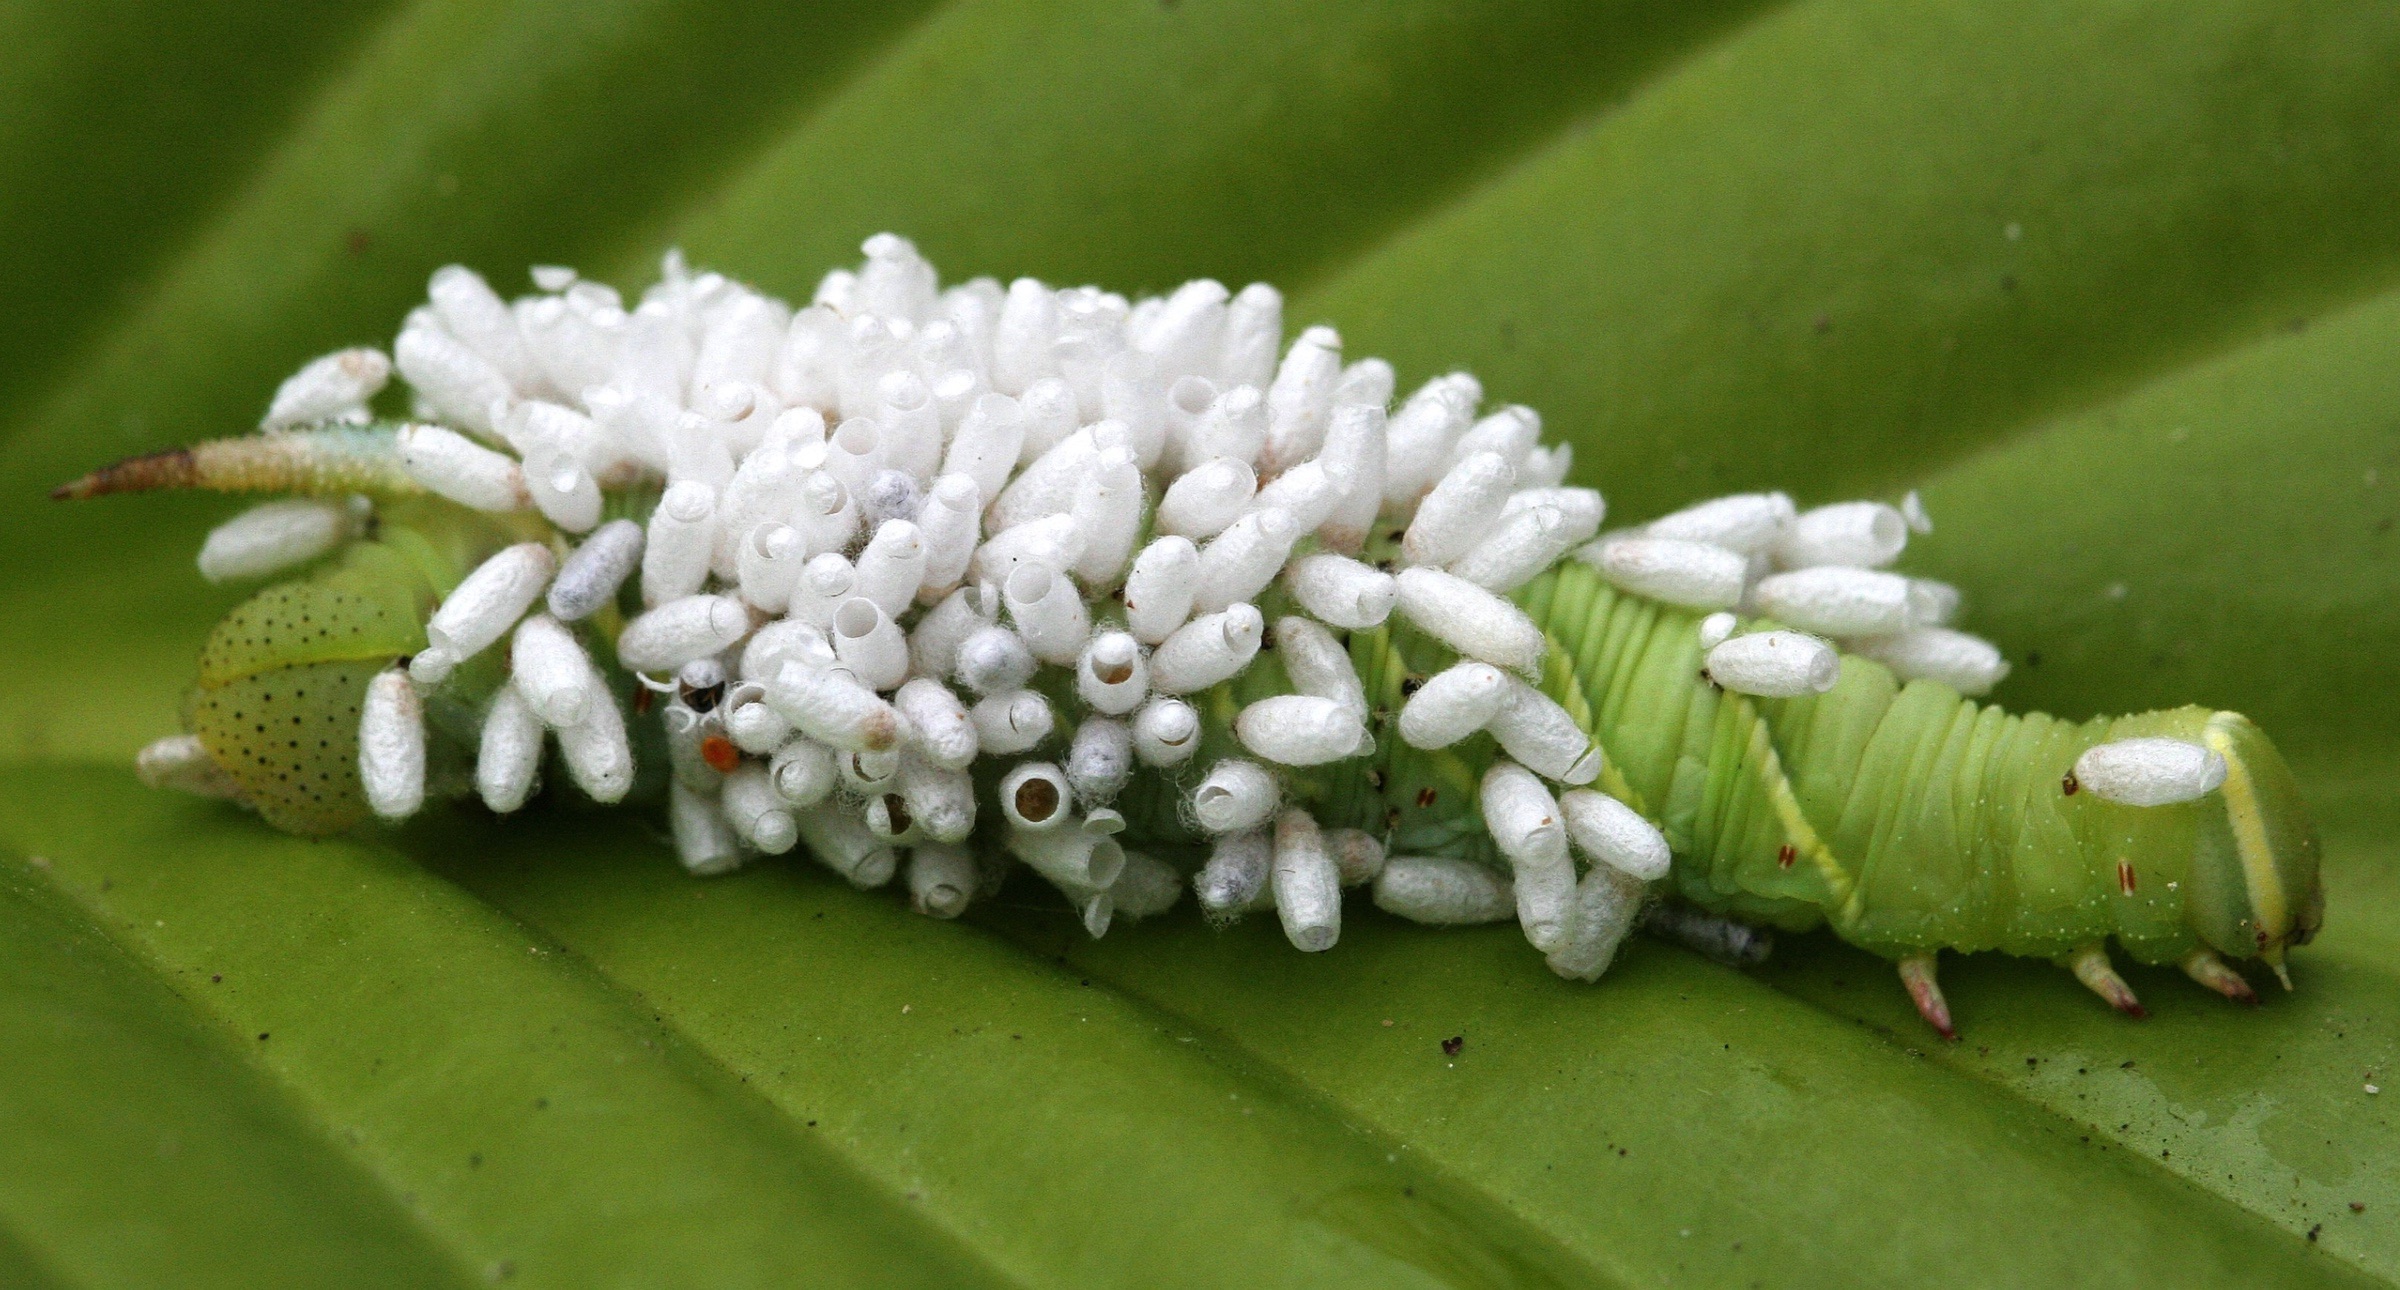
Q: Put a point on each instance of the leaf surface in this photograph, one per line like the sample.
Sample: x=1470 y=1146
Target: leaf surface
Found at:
x=2114 y=285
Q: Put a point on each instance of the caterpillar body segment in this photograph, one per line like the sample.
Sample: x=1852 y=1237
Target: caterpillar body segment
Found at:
x=937 y=582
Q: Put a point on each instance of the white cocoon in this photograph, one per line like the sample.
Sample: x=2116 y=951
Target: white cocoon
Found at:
x=336 y=385
x=941 y=803
x=1035 y=796
x=1521 y=546
x=1236 y=795
x=1460 y=511
x=941 y=880
x=1452 y=704
x=768 y=561
x=1968 y=664
x=509 y=751
x=704 y=839
x=1534 y=729
x=786 y=640
x=1308 y=889
x=826 y=581
x=870 y=644
x=451 y=465
x=1775 y=664
x=592 y=573
x=831 y=707
x=1011 y=721
x=1837 y=601
x=1159 y=590
x=1300 y=730
x=1931 y=603
x=1237 y=875
x=933 y=646
x=802 y=772
x=1863 y=535
x=1238 y=563
x=1715 y=628
x=1100 y=760
x=1166 y=732
x=1605 y=905
x=2149 y=771
x=1342 y=591
x=1524 y=821
x=843 y=844
x=752 y=723
x=1694 y=575
x=675 y=633
x=993 y=660
x=599 y=757
x=489 y=601
x=1206 y=650
x=1443 y=891
x=892 y=566
x=271 y=537
x=758 y=813
x=1613 y=833
x=1111 y=674
x=1206 y=498
x=939 y=727
x=1470 y=620
x=1745 y=523
x=682 y=539
x=1048 y=611
x=1317 y=664
x=1357 y=856
x=950 y=523
x=552 y=671
x=1145 y=887
x=391 y=746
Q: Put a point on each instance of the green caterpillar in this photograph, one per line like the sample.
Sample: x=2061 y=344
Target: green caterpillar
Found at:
x=829 y=546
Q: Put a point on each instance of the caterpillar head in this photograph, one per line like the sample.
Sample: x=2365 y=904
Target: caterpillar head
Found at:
x=2255 y=887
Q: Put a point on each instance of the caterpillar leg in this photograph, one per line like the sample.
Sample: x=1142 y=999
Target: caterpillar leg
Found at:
x=2090 y=966
x=2205 y=967
x=1916 y=972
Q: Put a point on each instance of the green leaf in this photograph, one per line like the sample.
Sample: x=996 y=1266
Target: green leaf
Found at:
x=2116 y=285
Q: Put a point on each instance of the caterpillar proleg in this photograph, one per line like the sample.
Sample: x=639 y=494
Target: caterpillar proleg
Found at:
x=937 y=582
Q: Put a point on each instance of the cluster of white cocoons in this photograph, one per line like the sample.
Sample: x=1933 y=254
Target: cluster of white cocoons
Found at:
x=906 y=529
x=1820 y=576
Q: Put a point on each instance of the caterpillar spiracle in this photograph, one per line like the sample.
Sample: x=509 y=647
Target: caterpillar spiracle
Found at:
x=938 y=582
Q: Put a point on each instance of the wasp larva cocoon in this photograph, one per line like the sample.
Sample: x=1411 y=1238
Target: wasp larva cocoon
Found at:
x=2150 y=771
x=1744 y=523
x=591 y=574
x=1837 y=600
x=1534 y=729
x=1453 y=704
x=1301 y=730
x=391 y=746
x=1460 y=511
x=1111 y=675
x=509 y=752
x=1444 y=891
x=1235 y=795
x=1166 y=732
x=1206 y=498
x=1774 y=664
x=1866 y=535
x=1692 y=575
x=1012 y=721
x=1469 y=619
x=1076 y=506
x=1614 y=834
x=273 y=536
x=675 y=633
x=1160 y=587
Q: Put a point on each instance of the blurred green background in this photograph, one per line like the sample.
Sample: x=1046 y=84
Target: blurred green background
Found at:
x=2113 y=282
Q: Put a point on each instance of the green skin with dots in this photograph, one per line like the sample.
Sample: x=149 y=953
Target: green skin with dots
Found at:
x=1902 y=816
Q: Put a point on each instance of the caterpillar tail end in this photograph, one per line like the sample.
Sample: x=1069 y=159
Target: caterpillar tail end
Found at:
x=175 y=468
x=1917 y=973
x=2091 y=966
x=2206 y=968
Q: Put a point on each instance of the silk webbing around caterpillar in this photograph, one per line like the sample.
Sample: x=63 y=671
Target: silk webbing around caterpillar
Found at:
x=937 y=582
